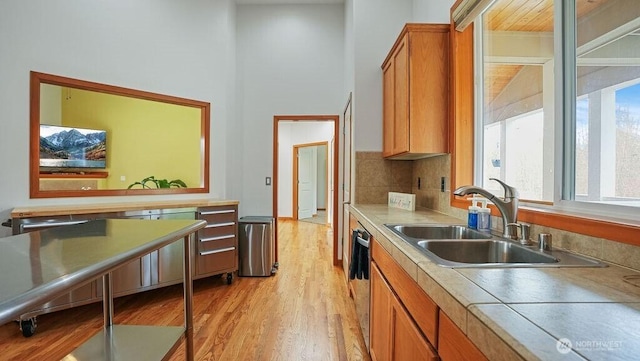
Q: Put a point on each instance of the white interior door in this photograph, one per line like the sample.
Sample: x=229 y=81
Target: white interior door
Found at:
x=306 y=182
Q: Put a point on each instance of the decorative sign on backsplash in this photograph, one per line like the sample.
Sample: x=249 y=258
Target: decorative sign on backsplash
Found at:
x=402 y=200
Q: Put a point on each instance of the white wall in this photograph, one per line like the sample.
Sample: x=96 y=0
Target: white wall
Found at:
x=377 y=24
x=290 y=61
x=290 y=134
x=179 y=48
x=431 y=11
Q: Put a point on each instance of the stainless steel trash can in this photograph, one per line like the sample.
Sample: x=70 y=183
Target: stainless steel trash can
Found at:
x=256 y=246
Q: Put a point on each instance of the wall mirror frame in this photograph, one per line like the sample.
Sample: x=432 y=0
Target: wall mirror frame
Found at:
x=37 y=79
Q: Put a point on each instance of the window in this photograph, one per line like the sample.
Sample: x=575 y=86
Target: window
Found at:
x=513 y=151
x=522 y=83
x=607 y=145
x=516 y=73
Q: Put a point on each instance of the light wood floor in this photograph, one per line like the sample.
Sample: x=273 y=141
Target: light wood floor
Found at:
x=301 y=313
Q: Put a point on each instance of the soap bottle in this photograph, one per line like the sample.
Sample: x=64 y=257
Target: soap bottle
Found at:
x=484 y=217
x=472 y=215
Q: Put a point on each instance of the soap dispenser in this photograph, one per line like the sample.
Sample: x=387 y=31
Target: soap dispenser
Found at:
x=484 y=217
x=472 y=216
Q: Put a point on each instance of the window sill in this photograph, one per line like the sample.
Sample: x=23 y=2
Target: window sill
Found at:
x=615 y=230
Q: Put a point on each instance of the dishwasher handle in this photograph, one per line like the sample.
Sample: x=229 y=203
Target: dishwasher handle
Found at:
x=364 y=240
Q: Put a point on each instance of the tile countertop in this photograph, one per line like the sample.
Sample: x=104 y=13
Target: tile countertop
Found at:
x=522 y=313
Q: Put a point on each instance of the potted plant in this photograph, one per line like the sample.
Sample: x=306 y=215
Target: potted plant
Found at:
x=159 y=183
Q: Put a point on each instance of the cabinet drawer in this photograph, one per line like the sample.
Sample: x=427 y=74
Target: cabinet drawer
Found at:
x=218 y=260
x=218 y=230
x=216 y=242
x=218 y=214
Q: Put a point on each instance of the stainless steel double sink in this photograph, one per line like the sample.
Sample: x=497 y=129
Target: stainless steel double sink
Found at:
x=461 y=247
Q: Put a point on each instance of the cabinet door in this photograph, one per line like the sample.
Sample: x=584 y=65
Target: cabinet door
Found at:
x=170 y=265
x=169 y=259
x=454 y=344
x=388 y=109
x=132 y=276
x=401 y=97
x=408 y=342
x=380 y=319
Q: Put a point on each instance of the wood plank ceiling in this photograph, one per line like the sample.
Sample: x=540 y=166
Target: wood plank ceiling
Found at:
x=527 y=16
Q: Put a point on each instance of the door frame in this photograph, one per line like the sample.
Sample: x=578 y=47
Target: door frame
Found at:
x=296 y=148
x=336 y=161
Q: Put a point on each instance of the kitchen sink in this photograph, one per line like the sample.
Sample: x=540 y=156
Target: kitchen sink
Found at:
x=438 y=232
x=457 y=246
x=486 y=251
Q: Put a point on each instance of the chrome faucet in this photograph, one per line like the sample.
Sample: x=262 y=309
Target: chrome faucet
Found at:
x=508 y=206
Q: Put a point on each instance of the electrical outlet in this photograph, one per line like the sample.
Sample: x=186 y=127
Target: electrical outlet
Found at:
x=267 y=181
x=442 y=184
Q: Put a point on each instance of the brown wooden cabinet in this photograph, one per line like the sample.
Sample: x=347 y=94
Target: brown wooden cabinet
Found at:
x=416 y=93
x=405 y=323
x=381 y=335
x=394 y=334
x=404 y=320
x=408 y=342
x=454 y=344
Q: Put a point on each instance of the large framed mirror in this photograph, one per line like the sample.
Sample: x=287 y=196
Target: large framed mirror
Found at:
x=90 y=139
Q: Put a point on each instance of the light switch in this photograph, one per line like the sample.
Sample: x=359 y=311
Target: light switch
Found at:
x=123 y=178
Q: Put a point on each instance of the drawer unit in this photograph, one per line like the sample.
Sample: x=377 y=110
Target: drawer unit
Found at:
x=217 y=244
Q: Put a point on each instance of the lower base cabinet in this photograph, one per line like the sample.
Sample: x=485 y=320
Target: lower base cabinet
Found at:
x=454 y=344
x=396 y=336
x=405 y=322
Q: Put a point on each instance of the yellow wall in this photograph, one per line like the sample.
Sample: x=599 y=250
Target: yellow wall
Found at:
x=144 y=138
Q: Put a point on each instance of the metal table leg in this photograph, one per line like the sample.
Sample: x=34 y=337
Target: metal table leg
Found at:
x=188 y=297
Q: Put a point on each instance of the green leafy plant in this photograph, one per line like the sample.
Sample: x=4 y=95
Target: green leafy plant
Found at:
x=159 y=183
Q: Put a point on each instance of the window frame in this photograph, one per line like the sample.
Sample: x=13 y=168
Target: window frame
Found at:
x=463 y=111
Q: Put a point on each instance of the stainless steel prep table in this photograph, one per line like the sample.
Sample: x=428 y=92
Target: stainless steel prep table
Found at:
x=39 y=266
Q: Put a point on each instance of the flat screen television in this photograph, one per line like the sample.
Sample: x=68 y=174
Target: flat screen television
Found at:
x=71 y=148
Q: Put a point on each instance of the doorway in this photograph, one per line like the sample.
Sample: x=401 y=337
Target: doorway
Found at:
x=310 y=181
x=332 y=204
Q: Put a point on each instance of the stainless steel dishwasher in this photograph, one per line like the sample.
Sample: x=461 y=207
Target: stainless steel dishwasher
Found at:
x=359 y=269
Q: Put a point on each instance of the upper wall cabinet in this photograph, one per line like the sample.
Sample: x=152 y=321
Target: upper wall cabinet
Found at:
x=416 y=93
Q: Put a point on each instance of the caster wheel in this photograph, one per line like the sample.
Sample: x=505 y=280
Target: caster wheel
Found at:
x=28 y=327
x=229 y=278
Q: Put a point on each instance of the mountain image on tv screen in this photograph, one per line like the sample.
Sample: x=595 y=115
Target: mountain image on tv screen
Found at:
x=67 y=147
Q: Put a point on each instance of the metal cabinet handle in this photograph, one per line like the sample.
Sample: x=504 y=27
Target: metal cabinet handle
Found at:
x=226 y=211
x=217 y=251
x=214 y=225
x=209 y=239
